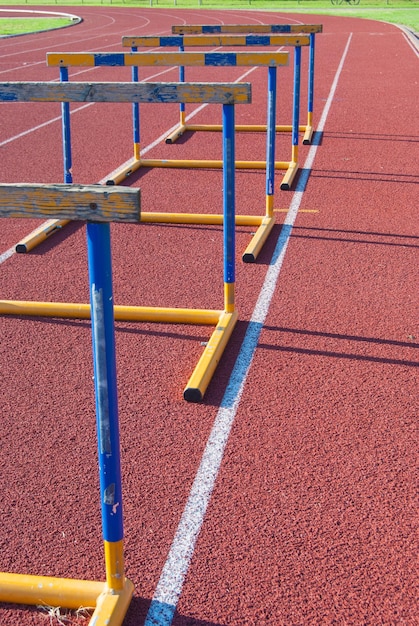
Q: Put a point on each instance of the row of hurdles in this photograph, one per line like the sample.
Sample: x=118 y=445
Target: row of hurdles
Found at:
x=198 y=382
x=99 y=205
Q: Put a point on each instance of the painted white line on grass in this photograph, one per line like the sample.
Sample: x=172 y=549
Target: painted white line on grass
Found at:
x=169 y=587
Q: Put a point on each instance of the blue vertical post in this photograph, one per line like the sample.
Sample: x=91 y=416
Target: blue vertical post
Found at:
x=103 y=336
x=66 y=131
x=182 y=80
x=296 y=102
x=270 y=140
x=135 y=112
x=229 y=217
x=310 y=106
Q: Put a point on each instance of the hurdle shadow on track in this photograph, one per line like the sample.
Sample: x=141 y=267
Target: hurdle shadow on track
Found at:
x=323 y=234
x=373 y=341
x=360 y=136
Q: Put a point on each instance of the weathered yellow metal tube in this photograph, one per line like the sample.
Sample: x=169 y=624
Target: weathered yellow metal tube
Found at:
x=39 y=235
x=121 y=174
x=197 y=218
x=122 y=313
x=49 y=591
x=229 y=297
x=202 y=374
x=258 y=240
x=213 y=164
x=114 y=564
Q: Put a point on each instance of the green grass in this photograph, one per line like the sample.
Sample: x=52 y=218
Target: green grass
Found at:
x=404 y=12
x=18 y=25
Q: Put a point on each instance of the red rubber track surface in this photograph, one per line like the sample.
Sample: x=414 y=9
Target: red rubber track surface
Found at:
x=313 y=517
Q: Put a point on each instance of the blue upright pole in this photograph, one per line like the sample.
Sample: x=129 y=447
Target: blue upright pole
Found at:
x=270 y=139
x=182 y=80
x=296 y=102
x=103 y=334
x=66 y=131
x=136 y=113
x=310 y=106
x=229 y=205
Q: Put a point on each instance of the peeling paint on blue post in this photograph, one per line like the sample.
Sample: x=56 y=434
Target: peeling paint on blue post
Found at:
x=103 y=336
x=229 y=192
x=270 y=133
x=65 y=114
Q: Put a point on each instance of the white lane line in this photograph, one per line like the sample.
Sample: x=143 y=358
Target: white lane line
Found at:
x=170 y=584
x=6 y=255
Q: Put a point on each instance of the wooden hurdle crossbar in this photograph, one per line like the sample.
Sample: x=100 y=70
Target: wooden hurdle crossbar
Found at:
x=263 y=29
x=226 y=94
x=188 y=41
x=100 y=206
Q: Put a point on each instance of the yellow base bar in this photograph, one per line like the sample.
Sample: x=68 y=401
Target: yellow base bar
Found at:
x=258 y=240
x=243 y=128
x=308 y=135
x=119 y=175
x=39 y=235
x=212 y=164
x=289 y=177
x=197 y=218
x=201 y=377
x=109 y=606
x=122 y=313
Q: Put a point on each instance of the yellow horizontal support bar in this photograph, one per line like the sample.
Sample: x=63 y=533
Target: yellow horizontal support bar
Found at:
x=198 y=218
x=48 y=591
x=202 y=163
x=109 y=606
x=204 y=370
x=122 y=313
x=250 y=128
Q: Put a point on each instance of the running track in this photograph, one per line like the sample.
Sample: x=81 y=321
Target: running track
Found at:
x=289 y=497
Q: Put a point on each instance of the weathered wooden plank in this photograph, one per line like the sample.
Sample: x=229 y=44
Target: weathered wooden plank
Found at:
x=70 y=59
x=222 y=93
x=216 y=40
x=189 y=29
x=94 y=203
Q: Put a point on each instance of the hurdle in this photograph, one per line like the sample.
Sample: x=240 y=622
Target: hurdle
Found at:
x=226 y=94
x=99 y=206
x=264 y=222
x=261 y=29
x=188 y=41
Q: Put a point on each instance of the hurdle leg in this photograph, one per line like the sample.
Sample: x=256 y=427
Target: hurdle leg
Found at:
x=198 y=382
x=182 y=108
x=309 y=128
x=135 y=113
x=293 y=166
x=104 y=361
x=255 y=245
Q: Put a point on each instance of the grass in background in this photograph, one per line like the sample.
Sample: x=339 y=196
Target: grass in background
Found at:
x=19 y=25
x=404 y=12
